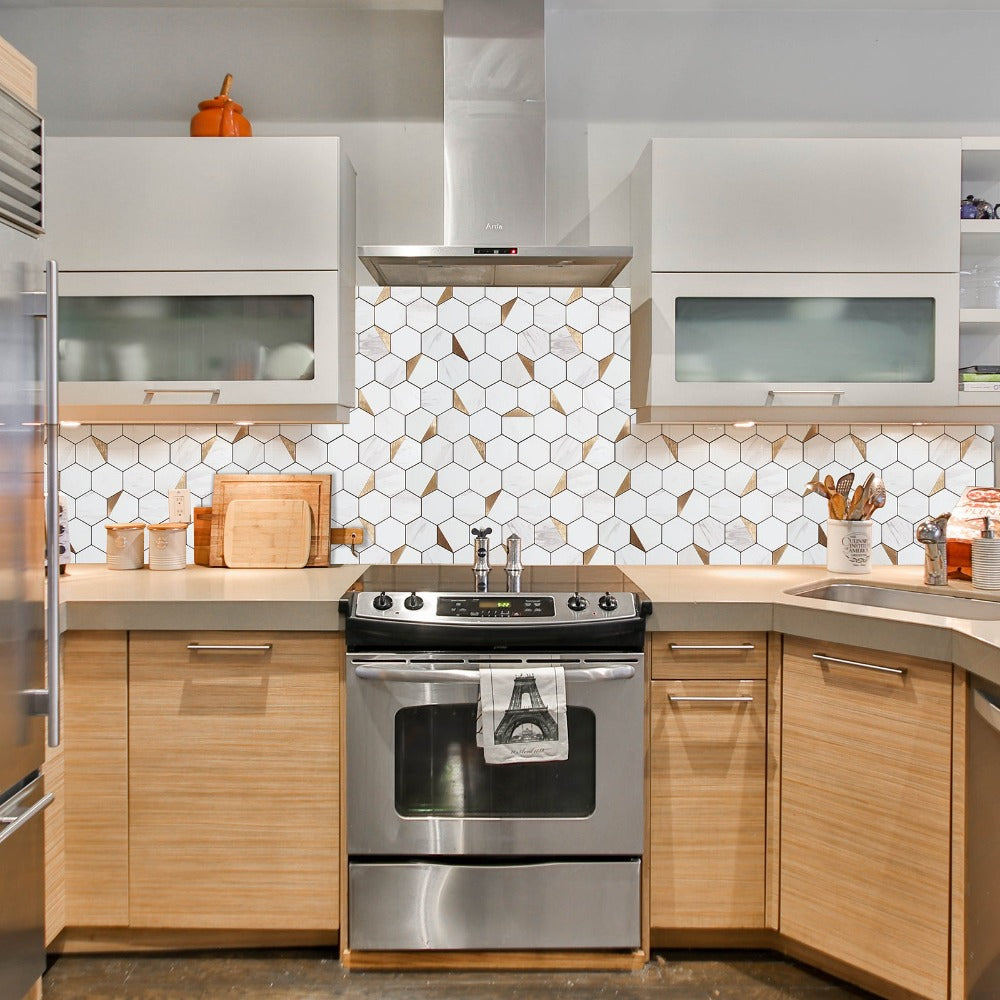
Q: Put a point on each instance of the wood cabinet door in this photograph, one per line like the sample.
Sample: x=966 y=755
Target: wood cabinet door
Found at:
x=708 y=770
x=866 y=810
x=233 y=777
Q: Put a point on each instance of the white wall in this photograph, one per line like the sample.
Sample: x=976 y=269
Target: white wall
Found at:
x=616 y=77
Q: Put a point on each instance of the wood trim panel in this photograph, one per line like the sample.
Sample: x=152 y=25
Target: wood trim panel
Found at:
x=234 y=811
x=520 y=961
x=708 y=805
x=866 y=813
x=960 y=695
x=35 y=991
x=772 y=867
x=717 y=664
x=129 y=940
x=95 y=752
x=54 y=819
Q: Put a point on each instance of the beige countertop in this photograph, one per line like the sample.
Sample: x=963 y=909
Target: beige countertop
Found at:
x=683 y=597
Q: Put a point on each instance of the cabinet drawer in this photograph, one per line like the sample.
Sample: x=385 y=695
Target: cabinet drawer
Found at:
x=233 y=777
x=707 y=804
x=714 y=655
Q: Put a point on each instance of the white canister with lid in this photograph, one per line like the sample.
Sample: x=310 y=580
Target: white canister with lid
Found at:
x=126 y=543
x=168 y=545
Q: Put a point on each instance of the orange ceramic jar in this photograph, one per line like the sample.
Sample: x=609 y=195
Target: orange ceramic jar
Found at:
x=220 y=115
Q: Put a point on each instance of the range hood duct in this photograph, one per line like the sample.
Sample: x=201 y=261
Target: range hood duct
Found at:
x=494 y=161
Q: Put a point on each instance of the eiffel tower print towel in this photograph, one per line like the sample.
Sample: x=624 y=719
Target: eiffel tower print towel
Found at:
x=523 y=714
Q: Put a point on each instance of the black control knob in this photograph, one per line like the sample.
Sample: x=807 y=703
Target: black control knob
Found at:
x=382 y=602
x=413 y=602
x=576 y=602
x=606 y=602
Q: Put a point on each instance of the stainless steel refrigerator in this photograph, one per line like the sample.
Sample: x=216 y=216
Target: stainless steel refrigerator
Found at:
x=28 y=596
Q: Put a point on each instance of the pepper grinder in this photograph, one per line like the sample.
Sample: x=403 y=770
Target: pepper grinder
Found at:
x=986 y=559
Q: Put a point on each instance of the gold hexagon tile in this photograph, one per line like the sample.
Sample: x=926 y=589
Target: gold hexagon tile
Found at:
x=559 y=487
x=751 y=484
x=777 y=553
x=206 y=447
x=861 y=445
x=893 y=554
x=445 y=295
x=682 y=501
x=491 y=501
x=112 y=500
x=289 y=446
x=386 y=293
x=506 y=308
x=442 y=540
x=369 y=486
x=811 y=433
x=634 y=539
x=703 y=554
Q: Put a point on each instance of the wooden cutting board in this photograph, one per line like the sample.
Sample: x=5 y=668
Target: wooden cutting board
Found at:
x=262 y=534
x=314 y=489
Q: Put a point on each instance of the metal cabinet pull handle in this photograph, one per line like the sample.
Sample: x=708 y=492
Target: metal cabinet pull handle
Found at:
x=746 y=646
x=203 y=647
x=987 y=708
x=147 y=399
x=620 y=673
x=837 y=394
x=899 y=671
x=12 y=824
x=45 y=306
x=719 y=698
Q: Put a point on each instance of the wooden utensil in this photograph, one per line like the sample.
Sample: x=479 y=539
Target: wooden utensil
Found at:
x=856 y=513
x=838 y=507
x=816 y=485
x=274 y=534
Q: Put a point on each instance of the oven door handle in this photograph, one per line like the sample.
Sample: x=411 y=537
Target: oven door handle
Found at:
x=622 y=672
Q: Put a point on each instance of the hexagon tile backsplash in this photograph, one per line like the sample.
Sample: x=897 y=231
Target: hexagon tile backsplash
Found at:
x=509 y=407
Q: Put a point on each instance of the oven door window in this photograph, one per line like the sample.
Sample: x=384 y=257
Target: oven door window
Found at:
x=441 y=772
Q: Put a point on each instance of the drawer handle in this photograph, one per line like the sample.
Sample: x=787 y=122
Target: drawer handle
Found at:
x=719 y=698
x=835 y=394
x=147 y=398
x=746 y=646
x=196 y=647
x=13 y=823
x=899 y=671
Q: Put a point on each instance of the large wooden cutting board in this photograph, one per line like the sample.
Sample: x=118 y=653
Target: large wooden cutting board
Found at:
x=267 y=534
x=315 y=490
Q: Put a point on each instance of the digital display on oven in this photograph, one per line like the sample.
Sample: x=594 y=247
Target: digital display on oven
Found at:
x=508 y=606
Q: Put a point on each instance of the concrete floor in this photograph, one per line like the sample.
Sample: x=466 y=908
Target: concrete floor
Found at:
x=315 y=974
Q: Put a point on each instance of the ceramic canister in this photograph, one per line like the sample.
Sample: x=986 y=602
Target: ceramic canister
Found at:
x=849 y=546
x=168 y=545
x=126 y=543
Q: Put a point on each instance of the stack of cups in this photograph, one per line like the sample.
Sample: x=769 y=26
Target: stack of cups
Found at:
x=986 y=560
x=126 y=543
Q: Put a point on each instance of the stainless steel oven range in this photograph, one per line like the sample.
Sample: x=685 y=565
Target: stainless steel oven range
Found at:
x=447 y=851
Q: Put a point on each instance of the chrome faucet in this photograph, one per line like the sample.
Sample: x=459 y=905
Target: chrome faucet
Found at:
x=481 y=562
x=932 y=533
x=514 y=565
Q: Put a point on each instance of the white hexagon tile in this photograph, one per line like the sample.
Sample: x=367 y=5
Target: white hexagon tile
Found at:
x=508 y=407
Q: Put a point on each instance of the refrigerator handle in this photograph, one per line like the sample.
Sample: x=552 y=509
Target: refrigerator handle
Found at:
x=45 y=306
x=53 y=638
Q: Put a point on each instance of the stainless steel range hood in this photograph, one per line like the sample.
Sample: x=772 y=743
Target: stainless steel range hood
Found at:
x=494 y=155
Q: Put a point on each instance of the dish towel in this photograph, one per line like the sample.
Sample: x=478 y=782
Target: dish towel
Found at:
x=522 y=714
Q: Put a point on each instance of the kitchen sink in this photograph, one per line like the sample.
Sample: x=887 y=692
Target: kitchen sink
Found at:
x=872 y=596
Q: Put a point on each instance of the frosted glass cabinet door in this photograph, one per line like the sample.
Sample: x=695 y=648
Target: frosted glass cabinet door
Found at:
x=811 y=339
x=136 y=346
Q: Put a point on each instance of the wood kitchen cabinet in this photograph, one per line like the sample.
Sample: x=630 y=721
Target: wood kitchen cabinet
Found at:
x=866 y=810
x=708 y=717
x=233 y=780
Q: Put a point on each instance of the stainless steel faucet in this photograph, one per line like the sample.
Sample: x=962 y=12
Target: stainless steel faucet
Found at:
x=932 y=533
x=514 y=565
x=481 y=562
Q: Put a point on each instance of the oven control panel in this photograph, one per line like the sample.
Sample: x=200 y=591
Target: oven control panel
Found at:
x=513 y=609
x=502 y=606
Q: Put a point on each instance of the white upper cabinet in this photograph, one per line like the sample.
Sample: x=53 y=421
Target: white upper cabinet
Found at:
x=733 y=205
x=204 y=280
x=795 y=279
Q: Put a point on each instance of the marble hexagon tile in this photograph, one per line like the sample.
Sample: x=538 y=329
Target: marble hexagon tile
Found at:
x=510 y=407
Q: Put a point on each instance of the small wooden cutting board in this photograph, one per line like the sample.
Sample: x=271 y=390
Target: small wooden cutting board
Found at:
x=274 y=534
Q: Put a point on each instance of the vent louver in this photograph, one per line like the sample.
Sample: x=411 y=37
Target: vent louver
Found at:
x=20 y=165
